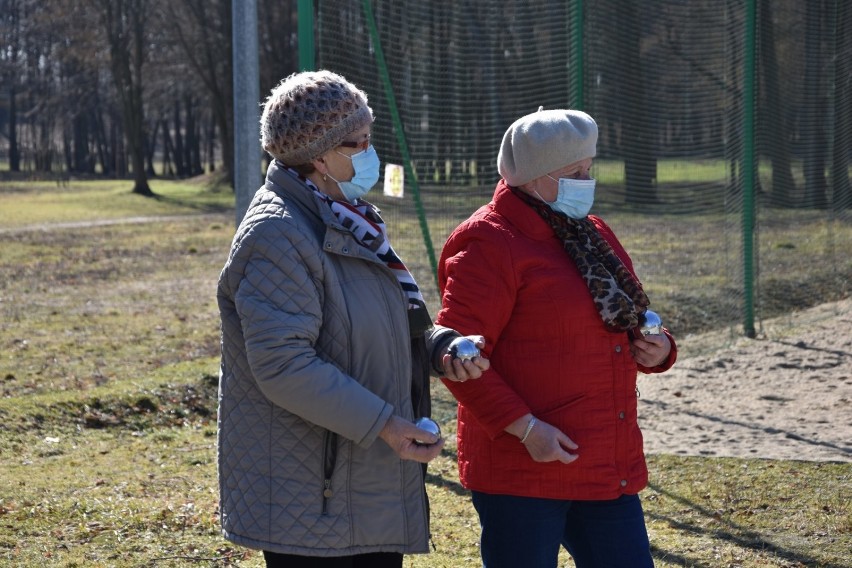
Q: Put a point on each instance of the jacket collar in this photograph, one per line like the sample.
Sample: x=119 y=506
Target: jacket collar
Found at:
x=281 y=181
x=291 y=188
x=519 y=214
x=331 y=232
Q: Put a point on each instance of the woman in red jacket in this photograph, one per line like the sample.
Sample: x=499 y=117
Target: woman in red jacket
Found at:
x=548 y=440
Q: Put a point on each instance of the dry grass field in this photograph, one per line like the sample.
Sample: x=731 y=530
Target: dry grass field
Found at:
x=108 y=370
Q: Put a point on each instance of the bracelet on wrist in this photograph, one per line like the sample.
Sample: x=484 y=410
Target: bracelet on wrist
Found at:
x=530 y=425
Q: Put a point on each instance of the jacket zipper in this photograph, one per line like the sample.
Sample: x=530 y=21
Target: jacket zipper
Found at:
x=329 y=455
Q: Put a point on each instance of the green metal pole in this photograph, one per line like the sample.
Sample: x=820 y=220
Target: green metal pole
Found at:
x=748 y=172
x=305 y=14
x=400 y=135
x=579 y=68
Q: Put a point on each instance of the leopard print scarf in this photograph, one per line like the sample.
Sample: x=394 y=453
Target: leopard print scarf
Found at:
x=617 y=294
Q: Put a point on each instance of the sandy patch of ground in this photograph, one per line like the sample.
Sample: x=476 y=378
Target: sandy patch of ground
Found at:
x=785 y=395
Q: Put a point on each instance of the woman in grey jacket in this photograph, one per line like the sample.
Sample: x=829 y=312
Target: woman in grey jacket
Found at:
x=327 y=346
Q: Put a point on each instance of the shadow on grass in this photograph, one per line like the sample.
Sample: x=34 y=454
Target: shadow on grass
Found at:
x=440 y=481
x=676 y=559
x=733 y=533
x=454 y=486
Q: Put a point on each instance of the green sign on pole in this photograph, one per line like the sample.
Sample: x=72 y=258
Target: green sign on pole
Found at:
x=305 y=13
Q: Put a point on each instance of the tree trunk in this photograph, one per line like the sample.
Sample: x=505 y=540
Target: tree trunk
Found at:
x=12 y=25
x=124 y=22
x=179 y=153
x=44 y=147
x=776 y=143
x=193 y=140
x=14 y=152
x=842 y=106
x=80 y=137
x=117 y=153
x=67 y=152
x=814 y=139
x=640 y=164
x=151 y=148
x=203 y=28
x=168 y=150
x=102 y=144
x=211 y=146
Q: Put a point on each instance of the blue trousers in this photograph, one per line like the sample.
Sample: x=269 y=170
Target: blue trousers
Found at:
x=526 y=531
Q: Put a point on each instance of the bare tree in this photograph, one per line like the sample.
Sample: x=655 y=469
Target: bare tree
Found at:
x=202 y=30
x=640 y=164
x=124 y=23
x=842 y=106
x=776 y=143
x=28 y=66
x=10 y=36
x=814 y=136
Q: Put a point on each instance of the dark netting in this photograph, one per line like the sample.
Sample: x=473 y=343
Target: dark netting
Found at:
x=667 y=82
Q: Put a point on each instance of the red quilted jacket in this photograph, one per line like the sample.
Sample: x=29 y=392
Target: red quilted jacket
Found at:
x=505 y=275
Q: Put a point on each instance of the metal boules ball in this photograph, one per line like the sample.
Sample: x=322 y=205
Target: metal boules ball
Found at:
x=430 y=426
x=650 y=323
x=463 y=348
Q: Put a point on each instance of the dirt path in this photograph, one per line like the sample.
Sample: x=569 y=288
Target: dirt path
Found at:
x=108 y=222
x=787 y=395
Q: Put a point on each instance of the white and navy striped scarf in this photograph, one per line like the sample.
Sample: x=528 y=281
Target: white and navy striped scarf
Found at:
x=368 y=228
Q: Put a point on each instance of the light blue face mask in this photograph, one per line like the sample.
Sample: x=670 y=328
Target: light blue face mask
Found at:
x=366 y=165
x=575 y=197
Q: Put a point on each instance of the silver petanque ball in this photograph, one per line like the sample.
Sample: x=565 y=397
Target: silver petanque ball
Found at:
x=430 y=426
x=650 y=323
x=463 y=348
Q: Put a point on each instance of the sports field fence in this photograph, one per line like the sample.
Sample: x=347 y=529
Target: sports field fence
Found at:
x=725 y=131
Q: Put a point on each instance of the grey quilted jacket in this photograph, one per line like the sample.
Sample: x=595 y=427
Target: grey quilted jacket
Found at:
x=317 y=353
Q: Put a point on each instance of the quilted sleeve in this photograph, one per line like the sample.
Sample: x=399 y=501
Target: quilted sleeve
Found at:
x=437 y=340
x=478 y=288
x=279 y=301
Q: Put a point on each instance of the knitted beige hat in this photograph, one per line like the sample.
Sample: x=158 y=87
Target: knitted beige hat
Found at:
x=310 y=113
x=544 y=141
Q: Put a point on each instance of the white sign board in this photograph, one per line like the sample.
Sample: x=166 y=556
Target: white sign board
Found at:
x=394 y=180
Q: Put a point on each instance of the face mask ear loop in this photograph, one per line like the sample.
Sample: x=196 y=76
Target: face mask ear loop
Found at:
x=331 y=176
x=537 y=194
x=352 y=157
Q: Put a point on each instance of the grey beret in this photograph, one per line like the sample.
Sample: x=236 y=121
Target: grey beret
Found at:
x=310 y=113
x=544 y=141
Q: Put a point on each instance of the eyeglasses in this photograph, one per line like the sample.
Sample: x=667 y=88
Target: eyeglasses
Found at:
x=360 y=145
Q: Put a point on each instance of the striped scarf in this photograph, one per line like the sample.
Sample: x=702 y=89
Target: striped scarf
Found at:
x=368 y=228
